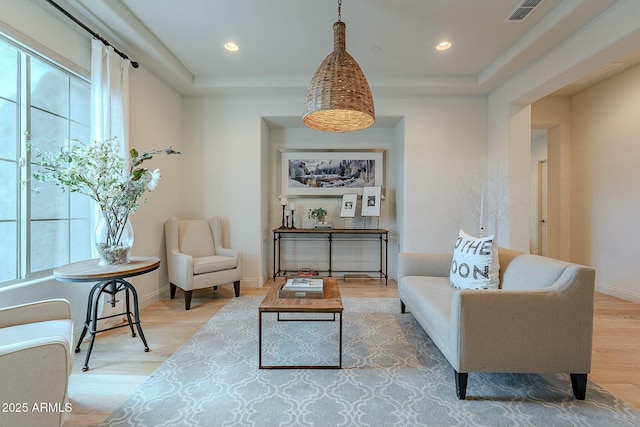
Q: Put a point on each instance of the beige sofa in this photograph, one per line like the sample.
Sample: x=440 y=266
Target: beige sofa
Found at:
x=540 y=321
x=36 y=358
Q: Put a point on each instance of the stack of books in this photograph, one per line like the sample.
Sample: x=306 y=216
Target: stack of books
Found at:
x=322 y=226
x=301 y=287
x=307 y=272
x=304 y=283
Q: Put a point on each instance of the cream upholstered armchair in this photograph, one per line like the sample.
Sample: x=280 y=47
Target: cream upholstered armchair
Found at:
x=196 y=258
x=36 y=358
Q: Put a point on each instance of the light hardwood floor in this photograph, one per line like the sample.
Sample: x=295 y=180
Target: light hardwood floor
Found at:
x=119 y=364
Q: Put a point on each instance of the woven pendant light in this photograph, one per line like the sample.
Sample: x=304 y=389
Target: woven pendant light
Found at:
x=338 y=98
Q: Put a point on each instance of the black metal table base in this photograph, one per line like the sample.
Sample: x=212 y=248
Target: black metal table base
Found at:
x=338 y=366
x=111 y=287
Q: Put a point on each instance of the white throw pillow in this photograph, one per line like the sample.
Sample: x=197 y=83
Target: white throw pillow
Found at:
x=475 y=263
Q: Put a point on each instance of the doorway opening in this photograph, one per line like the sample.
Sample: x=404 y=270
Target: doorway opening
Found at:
x=539 y=243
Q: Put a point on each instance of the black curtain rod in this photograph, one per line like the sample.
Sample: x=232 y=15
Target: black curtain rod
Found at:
x=134 y=64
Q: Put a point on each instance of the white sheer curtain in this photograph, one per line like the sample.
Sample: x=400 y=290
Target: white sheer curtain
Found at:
x=109 y=118
x=109 y=95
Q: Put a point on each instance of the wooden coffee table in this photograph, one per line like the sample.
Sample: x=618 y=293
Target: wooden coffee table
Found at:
x=329 y=303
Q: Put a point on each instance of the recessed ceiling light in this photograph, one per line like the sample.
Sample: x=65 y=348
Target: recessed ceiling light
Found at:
x=443 y=45
x=231 y=46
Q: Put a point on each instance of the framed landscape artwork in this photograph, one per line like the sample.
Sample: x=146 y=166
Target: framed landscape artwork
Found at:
x=330 y=172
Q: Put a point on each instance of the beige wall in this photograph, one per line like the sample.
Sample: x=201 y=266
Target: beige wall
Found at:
x=437 y=140
x=593 y=153
x=610 y=36
x=614 y=33
x=225 y=143
x=445 y=138
x=33 y=25
x=605 y=175
x=156 y=122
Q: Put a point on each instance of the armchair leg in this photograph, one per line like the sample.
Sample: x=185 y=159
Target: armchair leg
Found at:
x=461 y=384
x=579 y=385
x=236 y=287
x=403 y=308
x=172 y=290
x=187 y=299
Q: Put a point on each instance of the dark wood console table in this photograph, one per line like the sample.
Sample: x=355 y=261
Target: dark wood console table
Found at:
x=335 y=234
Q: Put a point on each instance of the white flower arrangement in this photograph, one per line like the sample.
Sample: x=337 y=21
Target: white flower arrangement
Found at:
x=98 y=171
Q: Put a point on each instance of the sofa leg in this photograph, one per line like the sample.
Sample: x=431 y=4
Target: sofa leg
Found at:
x=236 y=287
x=187 y=299
x=579 y=385
x=172 y=290
x=403 y=308
x=461 y=384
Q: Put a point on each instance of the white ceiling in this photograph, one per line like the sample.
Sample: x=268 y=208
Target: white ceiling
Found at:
x=282 y=42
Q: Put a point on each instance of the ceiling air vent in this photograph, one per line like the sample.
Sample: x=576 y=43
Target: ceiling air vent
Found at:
x=522 y=10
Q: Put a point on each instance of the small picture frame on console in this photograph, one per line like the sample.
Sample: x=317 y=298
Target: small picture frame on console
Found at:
x=348 y=205
x=371 y=201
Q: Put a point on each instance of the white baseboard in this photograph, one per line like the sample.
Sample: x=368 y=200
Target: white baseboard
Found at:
x=618 y=293
x=251 y=283
x=152 y=297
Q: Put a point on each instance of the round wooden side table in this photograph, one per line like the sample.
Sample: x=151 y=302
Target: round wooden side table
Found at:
x=110 y=280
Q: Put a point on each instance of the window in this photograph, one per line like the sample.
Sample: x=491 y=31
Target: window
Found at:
x=40 y=102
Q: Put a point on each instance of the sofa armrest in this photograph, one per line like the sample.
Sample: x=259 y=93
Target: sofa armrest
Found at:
x=35 y=372
x=180 y=269
x=233 y=253
x=419 y=264
x=40 y=311
x=545 y=330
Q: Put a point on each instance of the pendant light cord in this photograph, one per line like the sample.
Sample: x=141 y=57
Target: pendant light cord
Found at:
x=339 y=10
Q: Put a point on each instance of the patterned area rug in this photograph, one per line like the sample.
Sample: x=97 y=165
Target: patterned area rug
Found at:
x=393 y=376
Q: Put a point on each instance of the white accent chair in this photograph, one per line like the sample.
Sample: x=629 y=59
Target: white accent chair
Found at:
x=196 y=258
x=36 y=358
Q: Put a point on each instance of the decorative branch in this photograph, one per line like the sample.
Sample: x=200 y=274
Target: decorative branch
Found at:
x=98 y=171
x=483 y=197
